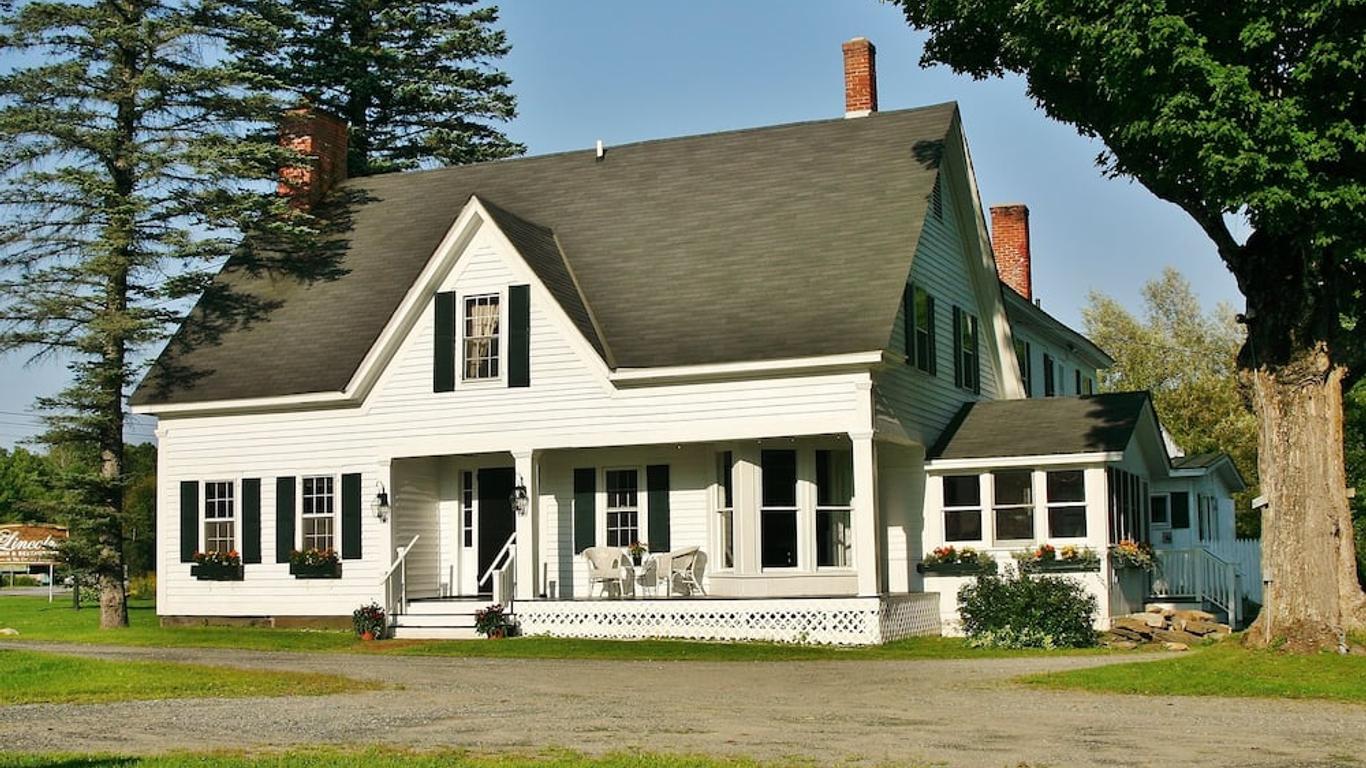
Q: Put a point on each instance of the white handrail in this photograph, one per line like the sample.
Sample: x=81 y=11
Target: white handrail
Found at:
x=401 y=565
x=502 y=553
x=1200 y=574
x=402 y=553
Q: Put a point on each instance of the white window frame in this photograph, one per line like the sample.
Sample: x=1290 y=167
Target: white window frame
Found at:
x=1049 y=505
x=1031 y=505
x=300 y=515
x=235 y=518
x=797 y=511
x=979 y=508
x=719 y=507
x=1165 y=524
x=468 y=517
x=642 y=501
x=851 y=554
x=500 y=338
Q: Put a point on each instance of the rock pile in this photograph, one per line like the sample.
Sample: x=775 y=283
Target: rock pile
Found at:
x=1175 y=630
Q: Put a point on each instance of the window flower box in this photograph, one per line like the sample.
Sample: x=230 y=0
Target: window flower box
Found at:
x=949 y=561
x=1069 y=559
x=217 y=566
x=1064 y=566
x=1133 y=554
x=954 y=569
x=315 y=564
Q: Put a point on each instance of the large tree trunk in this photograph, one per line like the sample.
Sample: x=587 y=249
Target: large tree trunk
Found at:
x=1312 y=600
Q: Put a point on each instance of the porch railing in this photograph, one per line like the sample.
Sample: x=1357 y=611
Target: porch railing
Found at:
x=396 y=589
x=500 y=572
x=1200 y=575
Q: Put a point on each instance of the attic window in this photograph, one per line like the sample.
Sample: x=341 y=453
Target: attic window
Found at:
x=937 y=200
x=481 y=337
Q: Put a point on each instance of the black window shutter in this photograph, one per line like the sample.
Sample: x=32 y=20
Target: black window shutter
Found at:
x=284 y=518
x=1181 y=510
x=519 y=336
x=350 y=521
x=957 y=347
x=251 y=520
x=934 y=341
x=657 y=499
x=189 y=520
x=443 y=349
x=976 y=356
x=585 y=509
x=908 y=322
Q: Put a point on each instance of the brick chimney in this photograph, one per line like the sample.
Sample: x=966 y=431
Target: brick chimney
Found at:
x=860 y=78
x=322 y=139
x=1010 y=243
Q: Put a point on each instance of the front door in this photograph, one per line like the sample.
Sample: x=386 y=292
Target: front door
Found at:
x=496 y=522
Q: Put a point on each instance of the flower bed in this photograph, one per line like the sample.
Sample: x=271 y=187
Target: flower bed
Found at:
x=217 y=566
x=315 y=564
x=949 y=561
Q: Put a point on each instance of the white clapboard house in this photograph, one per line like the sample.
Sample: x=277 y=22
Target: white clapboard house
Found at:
x=782 y=359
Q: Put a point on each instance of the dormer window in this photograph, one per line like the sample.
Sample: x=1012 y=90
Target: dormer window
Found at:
x=481 y=337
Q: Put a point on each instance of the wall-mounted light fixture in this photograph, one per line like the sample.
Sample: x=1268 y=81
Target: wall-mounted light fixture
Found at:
x=380 y=506
x=521 y=502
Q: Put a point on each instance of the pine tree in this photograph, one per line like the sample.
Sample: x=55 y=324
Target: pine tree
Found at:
x=413 y=78
x=130 y=157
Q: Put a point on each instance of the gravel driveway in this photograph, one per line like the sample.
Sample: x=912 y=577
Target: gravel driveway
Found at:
x=945 y=712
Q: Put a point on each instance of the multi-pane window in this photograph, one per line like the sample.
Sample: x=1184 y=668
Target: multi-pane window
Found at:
x=220 y=517
x=623 y=507
x=481 y=337
x=920 y=333
x=962 y=508
x=725 y=507
x=1067 y=504
x=966 y=359
x=1208 y=508
x=778 y=509
x=318 y=505
x=467 y=508
x=834 y=506
x=1022 y=354
x=1013 y=505
x=1050 y=387
x=1128 y=499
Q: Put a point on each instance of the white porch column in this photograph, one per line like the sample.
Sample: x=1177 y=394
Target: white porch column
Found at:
x=867 y=558
x=528 y=467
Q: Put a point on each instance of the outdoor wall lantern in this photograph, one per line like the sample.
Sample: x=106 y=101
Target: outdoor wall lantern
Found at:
x=380 y=506
x=521 y=502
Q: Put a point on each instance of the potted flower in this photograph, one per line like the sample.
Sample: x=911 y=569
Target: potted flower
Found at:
x=949 y=561
x=217 y=566
x=315 y=564
x=493 y=622
x=1132 y=554
x=369 y=621
x=1070 y=558
x=637 y=551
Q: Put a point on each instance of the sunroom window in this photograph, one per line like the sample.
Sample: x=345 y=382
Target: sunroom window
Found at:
x=834 y=504
x=1014 y=505
x=778 y=509
x=962 y=508
x=1067 y=504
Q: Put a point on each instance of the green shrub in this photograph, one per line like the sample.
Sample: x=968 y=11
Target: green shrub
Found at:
x=21 y=580
x=1027 y=611
x=143 y=587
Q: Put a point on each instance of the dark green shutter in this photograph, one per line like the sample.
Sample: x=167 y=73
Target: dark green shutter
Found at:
x=934 y=337
x=443 y=349
x=585 y=509
x=350 y=526
x=957 y=347
x=976 y=355
x=284 y=518
x=189 y=520
x=657 y=499
x=251 y=520
x=1181 y=510
x=519 y=336
x=908 y=322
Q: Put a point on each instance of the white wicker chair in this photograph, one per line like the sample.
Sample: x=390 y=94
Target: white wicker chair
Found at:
x=681 y=566
x=607 y=566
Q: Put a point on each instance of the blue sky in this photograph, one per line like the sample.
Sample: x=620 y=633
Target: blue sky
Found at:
x=627 y=71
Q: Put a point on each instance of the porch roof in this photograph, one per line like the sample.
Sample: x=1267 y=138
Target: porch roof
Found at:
x=1043 y=426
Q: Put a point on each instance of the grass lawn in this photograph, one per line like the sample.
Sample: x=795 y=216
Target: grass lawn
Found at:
x=378 y=758
x=1225 y=670
x=31 y=678
x=36 y=620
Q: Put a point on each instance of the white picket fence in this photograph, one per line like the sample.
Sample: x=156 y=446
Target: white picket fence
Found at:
x=1246 y=556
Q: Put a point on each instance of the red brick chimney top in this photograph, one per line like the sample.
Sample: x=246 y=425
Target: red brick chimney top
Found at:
x=321 y=139
x=1010 y=243
x=860 y=78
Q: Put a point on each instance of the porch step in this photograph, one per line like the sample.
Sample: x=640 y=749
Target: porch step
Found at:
x=446 y=607
x=462 y=620
x=434 y=633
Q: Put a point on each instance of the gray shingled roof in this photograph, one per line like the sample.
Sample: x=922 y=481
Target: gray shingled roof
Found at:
x=1042 y=426
x=779 y=242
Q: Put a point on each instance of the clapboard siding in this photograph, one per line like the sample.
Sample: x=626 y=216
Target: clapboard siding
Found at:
x=1063 y=360
x=569 y=404
x=921 y=403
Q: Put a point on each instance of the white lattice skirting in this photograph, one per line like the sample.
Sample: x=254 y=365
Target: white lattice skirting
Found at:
x=826 y=621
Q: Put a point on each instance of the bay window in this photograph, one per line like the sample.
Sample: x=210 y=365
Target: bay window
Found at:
x=834 y=506
x=778 y=509
x=725 y=507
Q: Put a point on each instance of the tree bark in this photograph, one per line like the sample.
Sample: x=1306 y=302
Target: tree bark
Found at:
x=1312 y=601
